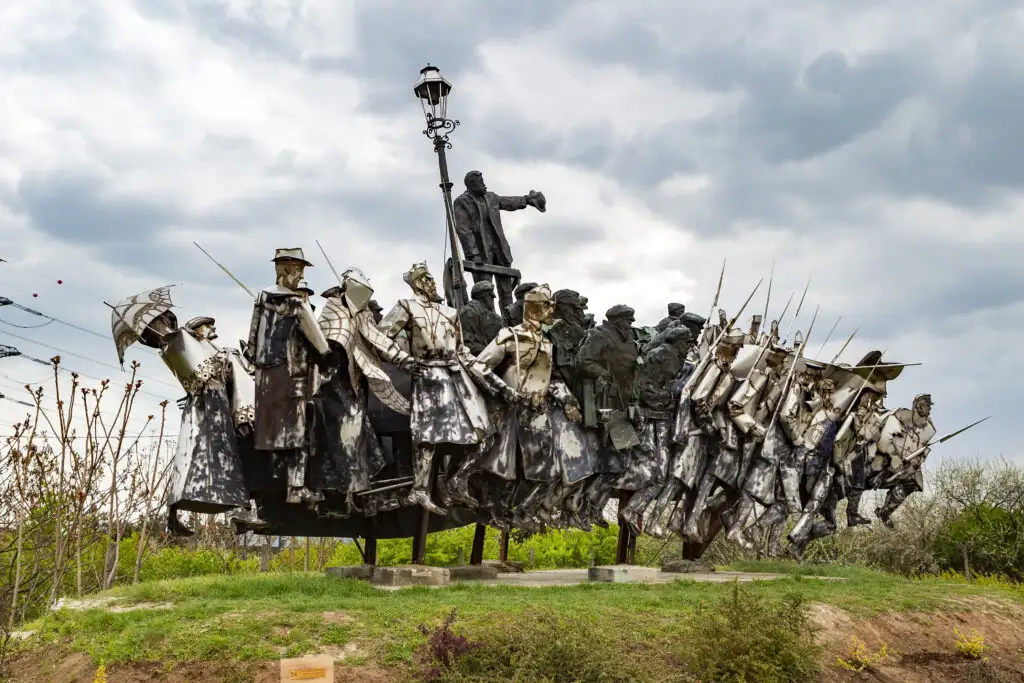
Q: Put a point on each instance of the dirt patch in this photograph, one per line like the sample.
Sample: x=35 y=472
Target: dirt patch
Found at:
x=922 y=646
x=338 y=618
x=79 y=668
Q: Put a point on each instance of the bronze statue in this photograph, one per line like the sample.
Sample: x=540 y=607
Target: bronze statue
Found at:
x=478 y=224
x=286 y=342
x=480 y=324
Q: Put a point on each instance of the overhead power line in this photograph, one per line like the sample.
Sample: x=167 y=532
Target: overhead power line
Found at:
x=4 y=301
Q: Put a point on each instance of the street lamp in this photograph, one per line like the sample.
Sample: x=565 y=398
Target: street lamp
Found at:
x=433 y=89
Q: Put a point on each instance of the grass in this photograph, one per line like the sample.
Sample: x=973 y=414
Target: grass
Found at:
x=251 y=618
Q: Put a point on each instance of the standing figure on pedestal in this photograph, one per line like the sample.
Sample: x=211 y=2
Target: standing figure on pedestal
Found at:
x=478 y=224
x=903 y=443
x=206 y=473
x=346 y=452
x=480 y=324
x=655 y=378
x=286 y=342
x=607 y=364
x=512 y=314
x=516 y=367
x=448 y=410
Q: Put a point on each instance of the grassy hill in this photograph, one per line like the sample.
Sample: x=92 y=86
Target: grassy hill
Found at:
x=235 y=628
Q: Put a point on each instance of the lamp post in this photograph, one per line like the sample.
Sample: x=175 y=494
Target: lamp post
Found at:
x=433 y=89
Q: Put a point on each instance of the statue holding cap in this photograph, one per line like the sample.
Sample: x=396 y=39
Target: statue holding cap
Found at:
x=347 y=452
x=478 y=224
x=285 y=342
x=480 y=324
x=448 y=411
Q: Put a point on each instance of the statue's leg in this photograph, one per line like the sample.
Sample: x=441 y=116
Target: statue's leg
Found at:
x=691 y=530
x=893 y=499
x=423 y=469
x=666 y=495
x=853 y=516
x=298 y=462
x=174 y=525
x=506 y=288
x=738 y=522
x=828 y=525
x=458 y=485
x=801 y=533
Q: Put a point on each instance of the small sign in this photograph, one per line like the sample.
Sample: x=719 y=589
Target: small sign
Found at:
x=319 y=669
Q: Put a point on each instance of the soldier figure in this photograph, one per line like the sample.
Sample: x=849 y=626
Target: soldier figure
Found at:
x=480 y=324
x=567 y=332
x=904 y=443
x=512 y=313
x=655 y=378
x=478 y=224
x=856 y=443
x=448 y=410
x=286 y=342
x=675 y=315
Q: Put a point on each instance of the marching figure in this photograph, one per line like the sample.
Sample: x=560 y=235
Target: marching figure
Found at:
x=347 y=452
x=904 y=443
x=655 y=378
x=285 y=342
x=516 y=366
x=448 y=410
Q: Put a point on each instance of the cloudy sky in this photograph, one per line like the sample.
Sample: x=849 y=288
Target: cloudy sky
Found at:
x=874 y=147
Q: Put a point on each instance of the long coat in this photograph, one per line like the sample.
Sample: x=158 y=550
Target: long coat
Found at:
x=475 y=238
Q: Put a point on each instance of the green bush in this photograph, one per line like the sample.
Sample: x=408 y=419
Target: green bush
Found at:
x=990 y=539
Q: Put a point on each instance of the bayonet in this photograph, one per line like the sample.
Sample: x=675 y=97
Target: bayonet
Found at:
x=768 y=297
x=829 y=336
x=916 y=459
x=226 y=271
x=329 y=264
x=799 y=307
x=848 y=340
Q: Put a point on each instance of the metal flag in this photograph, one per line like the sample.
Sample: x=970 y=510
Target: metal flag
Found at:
x=130 y=316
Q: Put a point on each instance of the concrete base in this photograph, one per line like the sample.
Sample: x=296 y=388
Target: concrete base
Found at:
x=687 y=567
x=411 y=575
x=364 y=572
x=473 y=572
x=622 y=573
x=509 y=567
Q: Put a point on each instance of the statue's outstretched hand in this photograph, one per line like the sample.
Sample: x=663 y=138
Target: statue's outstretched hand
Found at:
x=537 y=200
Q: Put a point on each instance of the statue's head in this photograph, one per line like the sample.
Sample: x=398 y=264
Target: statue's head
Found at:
x=290 y=265
x=421 y=281
x=923 y=405
x=475 y=183
x=377 y=309
x=568 y=306
x=158 y=328
x=203 y=327
x=730 y=345
x=484 y=293
x=522 y=288
x=621 y=317
x=679 y=338
x=538 y=307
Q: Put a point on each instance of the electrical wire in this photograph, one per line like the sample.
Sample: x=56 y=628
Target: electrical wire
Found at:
x=69 y=371
x=27 y=327
x=77 y=355
x=54 y=319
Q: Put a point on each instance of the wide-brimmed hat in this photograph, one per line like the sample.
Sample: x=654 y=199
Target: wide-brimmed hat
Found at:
x=291 y=255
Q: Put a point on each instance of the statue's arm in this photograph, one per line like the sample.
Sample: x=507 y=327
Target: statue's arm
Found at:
x=512 y=203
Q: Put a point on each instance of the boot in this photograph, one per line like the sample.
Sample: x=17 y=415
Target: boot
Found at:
x=738 y=523
x=174 y=525
x=691 y=530
x=893 y=499
x=775 y=539
x=422 y=469
x=458 y=485
x=853 y=516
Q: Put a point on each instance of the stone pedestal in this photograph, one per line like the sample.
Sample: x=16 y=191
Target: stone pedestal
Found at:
x=622 y=573
x=687 y=567
x=411 y=575
x=473 y=572
x=363 y=572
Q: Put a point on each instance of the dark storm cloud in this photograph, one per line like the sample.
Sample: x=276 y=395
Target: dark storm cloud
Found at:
x=74 y=207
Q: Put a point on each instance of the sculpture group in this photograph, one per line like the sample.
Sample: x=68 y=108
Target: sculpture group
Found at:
x=350 y=421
